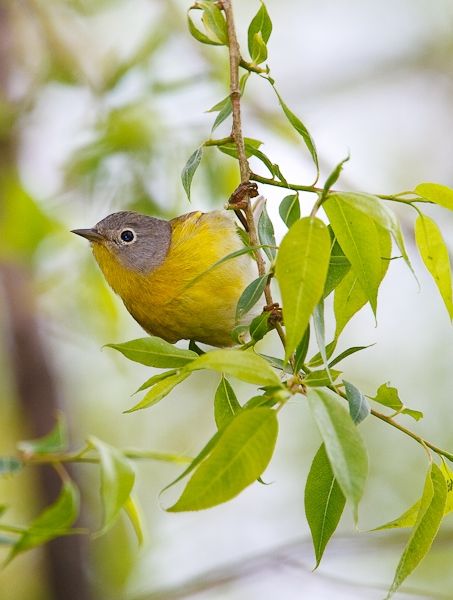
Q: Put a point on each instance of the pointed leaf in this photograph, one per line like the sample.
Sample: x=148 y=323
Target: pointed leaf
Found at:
x=429 y=517
x=226 y=108
x=376 y=209
x=154 y=352
x=189 y=169
x=238 y=459
x=117 y=480
x=245 y=365
x=344 y=445
x=250 y=296
x=349 y=296
x=159 y=390
x=301 y=351
x=324 y=502
x=261 y=23
x=133 y=512
x=289 y=209
x=358 y=237
x=260 y=326
x=339 y=266
x=54 y=521
x=321 y=378
x=434 y=253
x=301 y=270
x=214 y=21
x=226 y=404
x=434 y=192
x=347 y=353
x=359 y=409
x=266 y=234
x=155 y=379
x=259 y=54
x=300 y=128
x=388 y=396
x=55 y=441
x=200 y=36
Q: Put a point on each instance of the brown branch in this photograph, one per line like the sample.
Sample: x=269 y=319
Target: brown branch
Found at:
x=238 y=138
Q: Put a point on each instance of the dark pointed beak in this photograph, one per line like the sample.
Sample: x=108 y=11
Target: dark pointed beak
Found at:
x=89 y=234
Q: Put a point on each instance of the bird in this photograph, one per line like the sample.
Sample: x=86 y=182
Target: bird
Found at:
x=165 y=273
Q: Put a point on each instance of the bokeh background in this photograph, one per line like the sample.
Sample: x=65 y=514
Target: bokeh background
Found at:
x=101 y=103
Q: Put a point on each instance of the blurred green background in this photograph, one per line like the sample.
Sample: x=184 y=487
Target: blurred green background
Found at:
x=101 y=103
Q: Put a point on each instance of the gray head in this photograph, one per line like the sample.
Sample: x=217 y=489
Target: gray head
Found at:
x=139 y=242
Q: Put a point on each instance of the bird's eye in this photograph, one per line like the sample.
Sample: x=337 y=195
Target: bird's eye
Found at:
x=127 y=236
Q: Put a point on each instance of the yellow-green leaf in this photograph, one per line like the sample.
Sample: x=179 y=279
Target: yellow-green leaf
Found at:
x=359 y=239
x=245 y=365
x=344 y=445
x=159 y=390
x=153 y=351
x=429 y=517
x=117 y=480
x=226 y=404
x=324 y=502
x=237 y=460
x=435 y=256
x=301 y=270
x=434 y=192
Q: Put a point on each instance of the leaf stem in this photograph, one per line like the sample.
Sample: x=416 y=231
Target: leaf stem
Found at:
x=390 y=421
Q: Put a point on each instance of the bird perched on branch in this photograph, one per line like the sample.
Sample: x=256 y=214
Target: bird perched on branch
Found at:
x=162 y=271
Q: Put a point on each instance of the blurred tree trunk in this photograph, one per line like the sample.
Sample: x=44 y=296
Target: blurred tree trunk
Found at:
x=30 y=364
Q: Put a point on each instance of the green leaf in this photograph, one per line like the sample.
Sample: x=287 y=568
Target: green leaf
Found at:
x=319 y=327
x=189 y=170
x=54 y=521
x=10 y=465
x=133 y=512
x=55 y=441
x=238 y=459
x=359 y=409
x=409 y=517
x=434 y=192
x=266 y=234
x=260 y=326
x=159 y=390
x=432 y=507
x=347 y=353
x=388 y=396
x=250 y=296
x=226 y=404
x=262 y=24
x=301 y=270
x=154 y=352
x=333 y=177
x=344 y=446
x=243 y=364
x=349 y=296
x=324 y=502
x=155 y=379
x=434 y=253
x=214 y=21
x=225 y=109
x=200 y=36
x=339 y=266
x=321 y=378
x=317 y=359
x=359 y=239
x=374 y=207
x=259 y=54
x=301 y=351
x=117 y=480
x=289 y=209
x=300 y=128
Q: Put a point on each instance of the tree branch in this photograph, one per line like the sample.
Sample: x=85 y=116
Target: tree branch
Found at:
x=238 y=138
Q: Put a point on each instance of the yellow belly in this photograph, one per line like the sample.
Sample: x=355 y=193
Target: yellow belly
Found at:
x=168 y=302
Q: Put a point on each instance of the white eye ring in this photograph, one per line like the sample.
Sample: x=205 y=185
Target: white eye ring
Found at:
x=125 y=236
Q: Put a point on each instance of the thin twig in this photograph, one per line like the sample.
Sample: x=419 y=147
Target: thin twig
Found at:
x=237 y=136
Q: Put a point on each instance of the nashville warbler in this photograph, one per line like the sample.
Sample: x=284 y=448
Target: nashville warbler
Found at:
x=162 y=271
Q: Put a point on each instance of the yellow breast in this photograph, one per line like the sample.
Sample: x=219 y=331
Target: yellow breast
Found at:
x=177 y=300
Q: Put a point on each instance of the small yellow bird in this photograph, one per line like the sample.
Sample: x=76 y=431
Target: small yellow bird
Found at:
x=157 y=267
